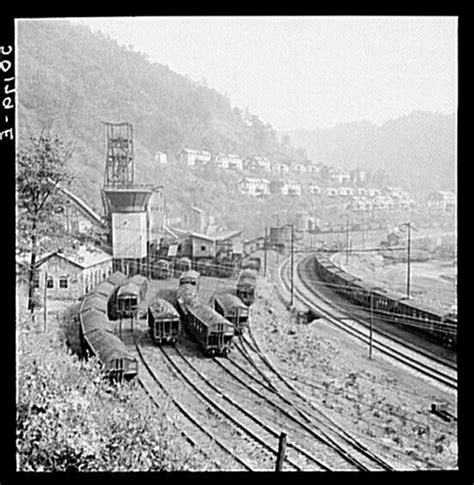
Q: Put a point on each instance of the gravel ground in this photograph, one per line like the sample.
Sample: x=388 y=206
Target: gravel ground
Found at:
x=383 y=405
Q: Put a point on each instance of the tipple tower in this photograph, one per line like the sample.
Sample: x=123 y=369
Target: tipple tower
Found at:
x=126 y=204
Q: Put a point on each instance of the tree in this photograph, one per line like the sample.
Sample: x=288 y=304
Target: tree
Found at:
x=41 y=170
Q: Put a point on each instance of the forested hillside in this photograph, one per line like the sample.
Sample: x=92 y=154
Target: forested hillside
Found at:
x=70 y=80
x=417 y=151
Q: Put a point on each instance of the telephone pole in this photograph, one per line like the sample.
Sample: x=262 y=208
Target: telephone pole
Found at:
x=371 y=322
x=292 y=262
x=408 y=259
x=265 y=243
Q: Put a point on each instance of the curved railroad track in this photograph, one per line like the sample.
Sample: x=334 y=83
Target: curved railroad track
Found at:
x=425 y=365
x=255 y=428
x=202 y=429
x=310 y=415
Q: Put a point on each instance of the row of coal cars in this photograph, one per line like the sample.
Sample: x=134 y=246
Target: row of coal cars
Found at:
x=212 y=326
x=389 y=305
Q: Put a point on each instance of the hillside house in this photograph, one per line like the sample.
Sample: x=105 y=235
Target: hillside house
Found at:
x=359 y=204
x=339 y=175
x=330 y=191
x=161 y=158
x=344 y=191
x=298 y=168
x=314 y=189
x=313 y=169
x=256 y=187
x=71 y=273
x=360 y=191
x=372 y=192
x=286 y=187
x=229 y=161
x=257 y=163
x=281 y=167
x=442 y=201
x=194 y=158
x=358 y=176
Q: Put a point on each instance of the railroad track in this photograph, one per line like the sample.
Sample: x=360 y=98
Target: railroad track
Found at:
x=310 y=417
x=187 y=415
x=443 y=374
x=263 y=435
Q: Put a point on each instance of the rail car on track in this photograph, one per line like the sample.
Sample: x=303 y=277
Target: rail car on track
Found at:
x=97 y=334
x=233 y=309
x=161 y=269
x=182 y=265
x=211 y=330
x=130 y=296
x=164 y=323
x=190 y=277
x=252 y=262
x=246 y=285
x=389 y=305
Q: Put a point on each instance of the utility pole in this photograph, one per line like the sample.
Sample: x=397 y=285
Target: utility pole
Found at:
x=265 y=254
x=292 y=262
x=45 y=300
x=363 y=230
x=347 y=240
x=281 y=452
x=371 y=323
x=408 y=259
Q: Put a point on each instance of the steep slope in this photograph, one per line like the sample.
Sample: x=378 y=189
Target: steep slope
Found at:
x=417 y=151
x=71 y=80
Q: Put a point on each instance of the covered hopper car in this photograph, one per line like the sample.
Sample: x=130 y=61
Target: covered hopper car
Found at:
x=211 y=330
x=246 y=285
x=233 y=309
x=163 y=322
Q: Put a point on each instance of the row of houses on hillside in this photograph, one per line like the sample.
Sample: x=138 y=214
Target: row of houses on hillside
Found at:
x=258 y=187
x=442 y=201
x=257 y=163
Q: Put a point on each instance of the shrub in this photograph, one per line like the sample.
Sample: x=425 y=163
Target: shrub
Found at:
x=70 y=418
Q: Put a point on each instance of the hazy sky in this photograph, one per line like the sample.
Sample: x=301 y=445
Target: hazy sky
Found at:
x=307 y=72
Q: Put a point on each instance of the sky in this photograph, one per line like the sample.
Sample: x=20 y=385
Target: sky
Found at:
x=307 y=72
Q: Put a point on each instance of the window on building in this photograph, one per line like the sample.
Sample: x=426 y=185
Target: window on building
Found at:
x=203 y=248
x=63 y=282
x=50 y=282
x=36 y=281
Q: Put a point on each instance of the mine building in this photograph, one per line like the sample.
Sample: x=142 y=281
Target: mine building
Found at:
x=68 y=274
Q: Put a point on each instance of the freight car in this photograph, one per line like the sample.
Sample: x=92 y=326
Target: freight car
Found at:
x=252 y=262
x=190 y=277
x=182 y=265
x=210 y=329
x=98 y=339
x=130 y=296
x=163 y=322
x=161 y=269
x=246 y=284
x=233 y=309
x=389 y=305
